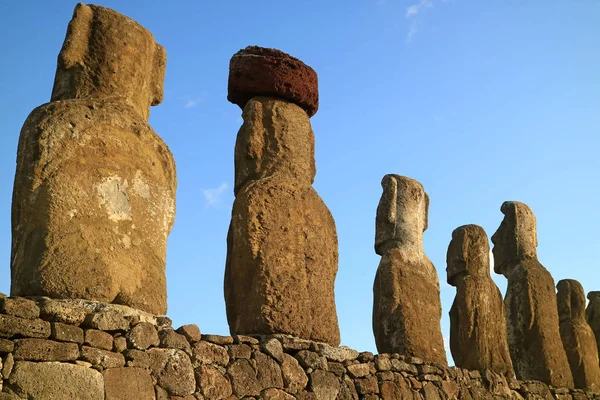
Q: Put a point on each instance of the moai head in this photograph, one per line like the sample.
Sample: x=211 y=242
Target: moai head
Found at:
x=109 y=56
x=468 y=253
x=571 y=300
x=401 y=214
x=592 y=312
x=516 y=238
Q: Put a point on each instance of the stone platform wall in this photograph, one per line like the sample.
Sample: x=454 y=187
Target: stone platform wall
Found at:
x=65 y=349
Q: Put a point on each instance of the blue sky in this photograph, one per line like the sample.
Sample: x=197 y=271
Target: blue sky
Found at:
x=481 y=102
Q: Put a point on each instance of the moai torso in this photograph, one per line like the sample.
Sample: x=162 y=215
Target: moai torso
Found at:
x=477 y=321
x=94 y=193
x=577 y=336
x=592 y=315
x=407 y=308
x=282 y=242
x=532 y=318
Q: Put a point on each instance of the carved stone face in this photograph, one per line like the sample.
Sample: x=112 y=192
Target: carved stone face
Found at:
x=571 y=300
x=468 y=253
x=401 y=214
x=516 y=237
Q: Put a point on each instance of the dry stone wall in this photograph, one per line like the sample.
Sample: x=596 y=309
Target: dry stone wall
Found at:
x=79 y=349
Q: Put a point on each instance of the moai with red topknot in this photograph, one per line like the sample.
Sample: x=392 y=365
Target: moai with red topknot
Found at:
x=406 y=307
x=531 y=312
x=94 y=192
x=477 y=321
x=282 y=251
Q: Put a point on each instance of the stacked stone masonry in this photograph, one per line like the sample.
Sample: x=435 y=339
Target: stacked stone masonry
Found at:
x=79 y=349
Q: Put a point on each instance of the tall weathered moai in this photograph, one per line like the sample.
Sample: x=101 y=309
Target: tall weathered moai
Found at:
x=407 y=307
x=282 y=251
x=592 y=315
x=477 y=321
x=531 y=313
x=577 y=336
x=94 y=192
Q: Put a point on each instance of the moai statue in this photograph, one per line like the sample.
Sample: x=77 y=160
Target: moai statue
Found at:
x=94 y=192
x=407 y=307
x=592 y=315
x=577 y=336
x=282 y=251
x=477 y=321
x=532 y=317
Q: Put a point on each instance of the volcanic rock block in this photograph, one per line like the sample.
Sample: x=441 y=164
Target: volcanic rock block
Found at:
x=94 y=192
x=577 y=336
x=477 y=321
x=592 y=315
x=532 y=317
x=257 y=71
x=407 y=307
x=282 y=256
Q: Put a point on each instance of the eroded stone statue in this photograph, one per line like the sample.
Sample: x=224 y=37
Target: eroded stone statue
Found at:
x=282 y=252
x=407 y=307
x=577 y=336
x=94 y=192
x=532 y=317
x=477 y=321
x=592 y=315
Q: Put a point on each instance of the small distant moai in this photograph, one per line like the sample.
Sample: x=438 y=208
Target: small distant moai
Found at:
x=577 y=336
x=407 y=307
x=531 y=312
x=282 y=250
x=592 y=315
x=94 y=192
x=477 y=321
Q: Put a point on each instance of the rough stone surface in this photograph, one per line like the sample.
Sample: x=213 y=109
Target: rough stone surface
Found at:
x=243 y=378
x=282 y=243
x=534 y=339
x=173 y=370
x=294 y=377
x=256 y=71
x=142 y=336
x=577 y=336
x=324 y=385
x=209 y=353
x=20 y=307
x=102 y=359
x=407 y=307
x=191 y=332
x=11 y=326
x=45 y=350
x=477 y=321
x=66 y=333
x=128 y=384
x=98 y=339
x=56 y=381
x=592 y=315
x=212 y=383
x=94 y=192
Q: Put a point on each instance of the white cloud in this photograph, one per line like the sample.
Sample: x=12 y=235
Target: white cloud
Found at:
x=415 y=9
x=412 y=30
x=190 y=104
x=491 y=262
x=213 y=196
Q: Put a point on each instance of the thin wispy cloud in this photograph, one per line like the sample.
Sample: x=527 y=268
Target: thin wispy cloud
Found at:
x=414 y=14
x=415 y=9
x=214 y=196
x=190 y=104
